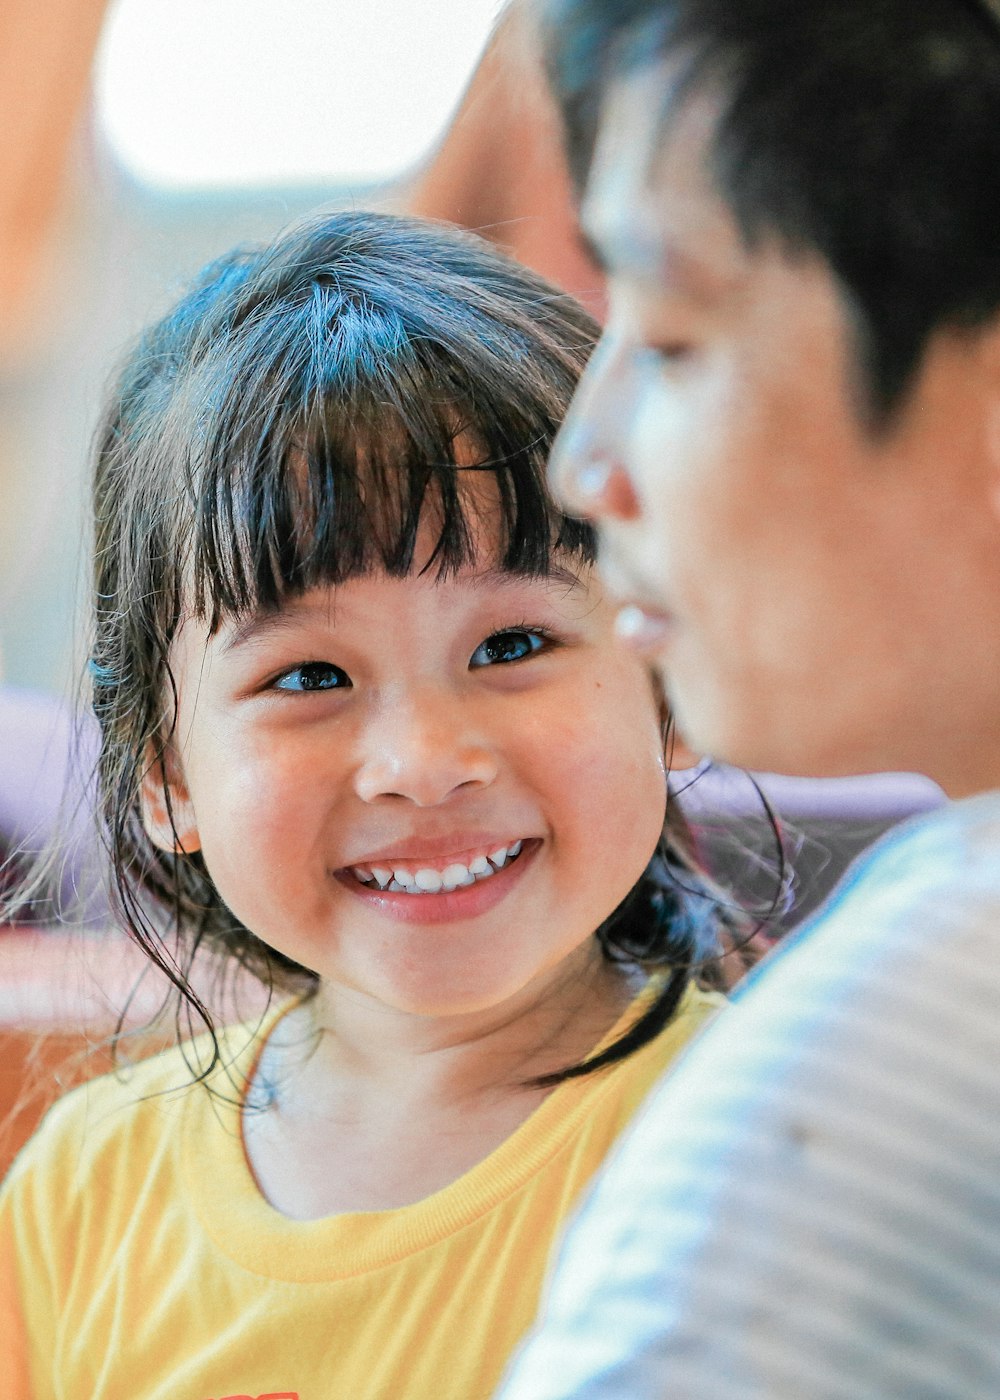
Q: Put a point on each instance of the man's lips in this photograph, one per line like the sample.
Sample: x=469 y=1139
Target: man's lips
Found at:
x=642 y=627
x=642 y=621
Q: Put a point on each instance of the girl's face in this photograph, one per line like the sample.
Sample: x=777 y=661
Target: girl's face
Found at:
x=428 y=791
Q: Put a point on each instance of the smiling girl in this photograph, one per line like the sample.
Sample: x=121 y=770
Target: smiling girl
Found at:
x=365 y=731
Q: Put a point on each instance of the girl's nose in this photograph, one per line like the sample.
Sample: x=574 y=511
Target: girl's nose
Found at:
x=423 y=754
x=585 y=470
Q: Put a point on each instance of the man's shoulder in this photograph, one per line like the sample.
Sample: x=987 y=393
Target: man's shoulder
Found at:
x=924 y=903
x=954 y=847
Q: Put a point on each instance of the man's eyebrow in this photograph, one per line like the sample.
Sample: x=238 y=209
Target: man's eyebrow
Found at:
x=618 y=245
x=615 y=240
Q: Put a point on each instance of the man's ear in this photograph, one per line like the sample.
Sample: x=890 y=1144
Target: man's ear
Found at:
x=994 y=454
x=990 y=346
x=167 y=811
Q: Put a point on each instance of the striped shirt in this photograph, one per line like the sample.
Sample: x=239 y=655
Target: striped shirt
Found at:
x=809 y=1206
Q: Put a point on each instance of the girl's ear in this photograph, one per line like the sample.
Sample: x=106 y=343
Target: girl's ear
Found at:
x=170 y=824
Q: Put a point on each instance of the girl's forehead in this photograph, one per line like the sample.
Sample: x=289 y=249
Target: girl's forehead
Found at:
x=485 y=594
x=480 y=580
x=305 y=520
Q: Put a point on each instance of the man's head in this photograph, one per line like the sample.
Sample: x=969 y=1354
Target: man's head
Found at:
x=791 y=431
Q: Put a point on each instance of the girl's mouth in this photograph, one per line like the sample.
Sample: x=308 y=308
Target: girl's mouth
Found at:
x=425 y=893
x=414 y=878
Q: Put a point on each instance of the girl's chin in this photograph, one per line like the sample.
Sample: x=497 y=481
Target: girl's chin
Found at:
x=396 y=992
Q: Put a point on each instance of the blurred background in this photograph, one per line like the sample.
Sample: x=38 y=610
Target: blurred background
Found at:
x=143 y=137
x=138 y=140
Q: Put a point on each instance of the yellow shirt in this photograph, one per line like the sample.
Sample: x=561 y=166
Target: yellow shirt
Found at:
x=139 y=1261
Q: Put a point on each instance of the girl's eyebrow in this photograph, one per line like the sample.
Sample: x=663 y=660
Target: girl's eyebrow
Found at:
x=261 y=624
x=267 y=621
x=498 y=577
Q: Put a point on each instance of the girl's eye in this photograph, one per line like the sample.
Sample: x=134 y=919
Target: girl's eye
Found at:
x=512 y=645
x=313 y=675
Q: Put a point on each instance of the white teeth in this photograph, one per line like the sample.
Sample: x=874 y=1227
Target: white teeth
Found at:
x=457 y=875
x=427 y=880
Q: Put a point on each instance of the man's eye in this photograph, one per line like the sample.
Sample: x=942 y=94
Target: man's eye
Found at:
x=513 y=645
x=666 y=354
x=313 y=675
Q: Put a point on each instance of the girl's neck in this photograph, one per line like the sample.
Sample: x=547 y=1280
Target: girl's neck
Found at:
x=341 y=1036
x=358 y=1108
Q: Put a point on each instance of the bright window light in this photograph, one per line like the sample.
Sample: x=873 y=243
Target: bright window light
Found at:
x=198 y=94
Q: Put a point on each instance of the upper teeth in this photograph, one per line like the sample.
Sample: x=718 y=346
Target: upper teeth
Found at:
x=429 y=879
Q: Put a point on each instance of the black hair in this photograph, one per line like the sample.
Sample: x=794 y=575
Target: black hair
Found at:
x=865 y=132
x=291 y=423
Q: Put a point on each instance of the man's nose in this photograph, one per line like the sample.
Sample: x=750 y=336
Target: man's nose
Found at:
x=423 y=749
x=587 y=472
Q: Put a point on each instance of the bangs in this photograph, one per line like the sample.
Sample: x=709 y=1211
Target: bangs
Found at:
x=323 y=457
x=321 y=505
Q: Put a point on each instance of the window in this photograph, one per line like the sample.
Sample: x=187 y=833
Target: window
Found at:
x=193 y=95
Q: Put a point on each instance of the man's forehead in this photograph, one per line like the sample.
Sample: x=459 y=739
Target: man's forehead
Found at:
x=650 y=209
x=627 y=156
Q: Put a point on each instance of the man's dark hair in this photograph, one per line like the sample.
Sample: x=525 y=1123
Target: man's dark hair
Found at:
x=865 y=131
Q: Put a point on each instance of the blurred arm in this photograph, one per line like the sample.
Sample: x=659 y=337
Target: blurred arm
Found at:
x=500 y=169
x=46 y=52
